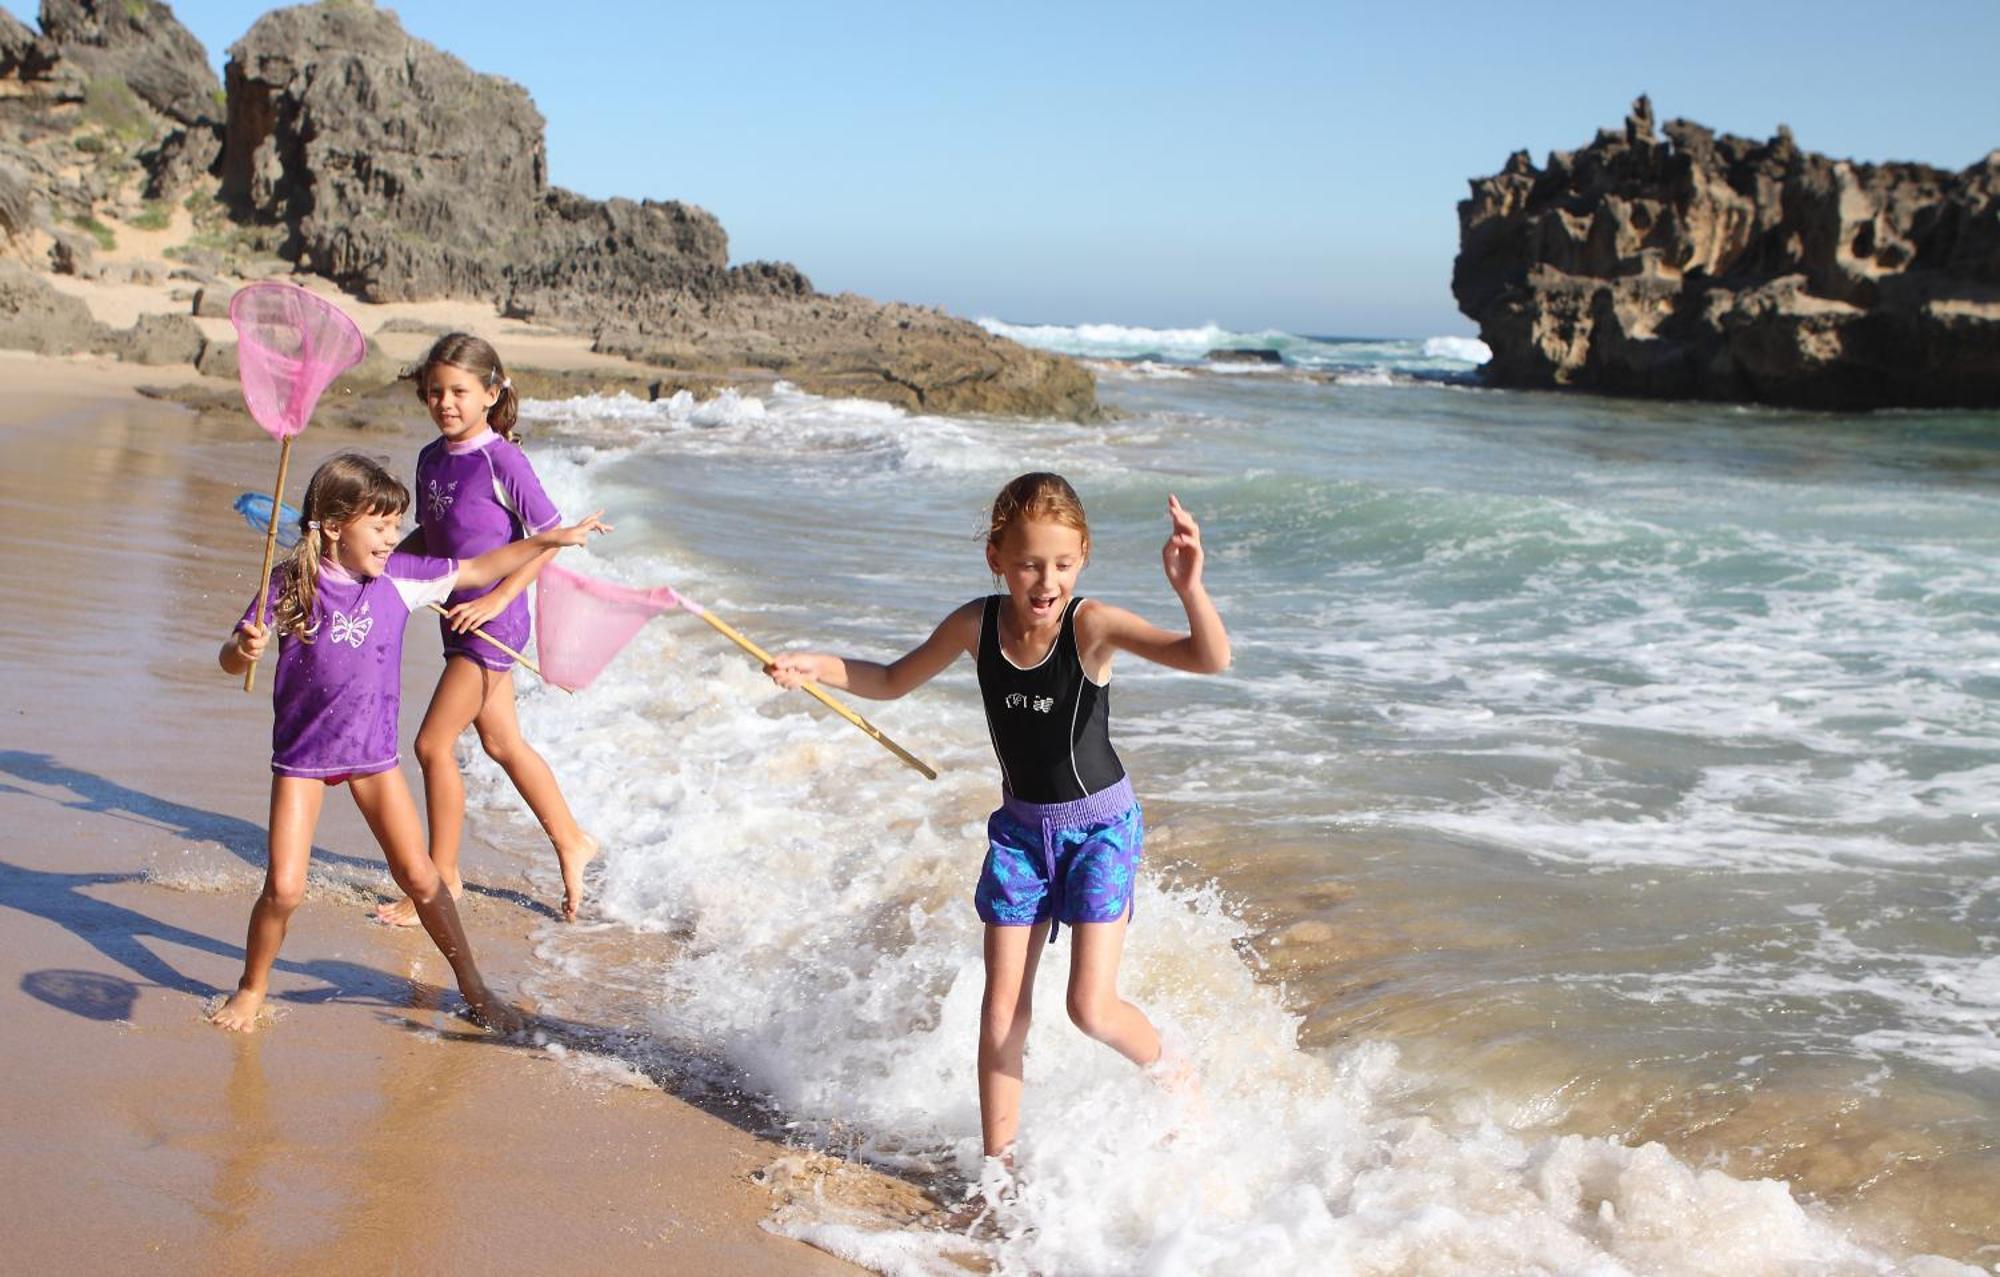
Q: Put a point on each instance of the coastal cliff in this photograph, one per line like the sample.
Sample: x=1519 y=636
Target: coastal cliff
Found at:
x=342 y=147
x=1713 y=267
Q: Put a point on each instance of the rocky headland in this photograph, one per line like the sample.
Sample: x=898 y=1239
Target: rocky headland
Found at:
x=339 y=148
x=1714 y=267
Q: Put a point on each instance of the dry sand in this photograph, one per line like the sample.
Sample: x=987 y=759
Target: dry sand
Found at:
x=369 y=1128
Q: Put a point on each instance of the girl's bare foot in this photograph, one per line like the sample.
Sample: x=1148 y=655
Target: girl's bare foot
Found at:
x=494 y=1013
x=403 y=913
x=239 y=1014
x=1175 y=1073
x=572 y=863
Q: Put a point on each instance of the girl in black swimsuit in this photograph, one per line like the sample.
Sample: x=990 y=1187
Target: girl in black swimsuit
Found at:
x=1065 y=844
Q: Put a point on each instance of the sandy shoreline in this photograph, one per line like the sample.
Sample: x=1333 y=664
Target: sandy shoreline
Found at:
x=369 y=1128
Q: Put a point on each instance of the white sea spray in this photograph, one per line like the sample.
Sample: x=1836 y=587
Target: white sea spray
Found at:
x=1440 y=636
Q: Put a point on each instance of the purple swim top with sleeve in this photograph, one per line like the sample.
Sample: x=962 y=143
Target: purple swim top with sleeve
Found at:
x=336 y=698
x=472 y=496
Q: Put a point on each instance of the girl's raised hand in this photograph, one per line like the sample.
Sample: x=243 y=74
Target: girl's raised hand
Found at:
x=1182 y=555
x=579 y=532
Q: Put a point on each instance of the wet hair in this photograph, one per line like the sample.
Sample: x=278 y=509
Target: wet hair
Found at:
x=344 y=488
x=476 y=356
x=1039 y=495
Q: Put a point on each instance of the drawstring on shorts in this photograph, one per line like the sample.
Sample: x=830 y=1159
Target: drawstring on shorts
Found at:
x=1106 y=805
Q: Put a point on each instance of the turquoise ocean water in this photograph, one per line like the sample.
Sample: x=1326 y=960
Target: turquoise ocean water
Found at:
x=1588 y=866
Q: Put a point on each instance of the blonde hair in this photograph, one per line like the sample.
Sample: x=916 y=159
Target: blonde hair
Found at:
x=476 y=356
x=345 y=487
x=1038 y=495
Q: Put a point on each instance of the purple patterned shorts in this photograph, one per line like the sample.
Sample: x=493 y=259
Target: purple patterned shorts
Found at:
x=511 y=627
x=1062 y=862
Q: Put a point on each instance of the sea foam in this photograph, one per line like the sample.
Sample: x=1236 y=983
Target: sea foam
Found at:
x=826 y=957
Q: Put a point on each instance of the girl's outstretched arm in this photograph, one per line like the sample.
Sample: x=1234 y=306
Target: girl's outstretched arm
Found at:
x=1103 y=630
x=957 y=635
x=495 y=564
x=476 y=612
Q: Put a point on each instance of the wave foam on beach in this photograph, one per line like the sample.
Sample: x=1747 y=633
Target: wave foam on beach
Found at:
x=826 y=957
x=1353 y=361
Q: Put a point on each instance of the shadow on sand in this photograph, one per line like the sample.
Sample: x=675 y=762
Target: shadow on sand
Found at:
x=241 y=838
x=128 y=938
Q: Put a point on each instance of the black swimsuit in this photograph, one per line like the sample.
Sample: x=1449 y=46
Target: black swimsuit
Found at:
x=1051 y=725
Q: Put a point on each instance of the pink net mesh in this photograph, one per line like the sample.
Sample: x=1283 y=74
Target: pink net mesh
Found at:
x=581 y=622
x=290 y=346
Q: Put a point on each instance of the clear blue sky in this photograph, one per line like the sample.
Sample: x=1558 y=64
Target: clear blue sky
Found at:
x=1289 y=165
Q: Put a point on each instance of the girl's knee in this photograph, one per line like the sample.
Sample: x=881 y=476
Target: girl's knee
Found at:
x=1091 y=1013
x=434 y=749
x=502 y=747
x=417 y=881
x=284 y=896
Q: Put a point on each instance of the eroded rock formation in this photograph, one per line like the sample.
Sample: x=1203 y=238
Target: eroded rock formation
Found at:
x=111 y=106
x=356 y=152
x=403 y=175
x=1698 y=266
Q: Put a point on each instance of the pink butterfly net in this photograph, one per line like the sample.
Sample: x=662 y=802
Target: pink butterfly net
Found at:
x=290 y=346
x=581 y=622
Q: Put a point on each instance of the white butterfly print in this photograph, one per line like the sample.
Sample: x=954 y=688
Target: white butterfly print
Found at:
x=440 y=498
x=352 y=630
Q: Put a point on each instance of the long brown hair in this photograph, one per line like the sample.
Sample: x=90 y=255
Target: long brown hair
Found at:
x=347 y=486
x=476 y=356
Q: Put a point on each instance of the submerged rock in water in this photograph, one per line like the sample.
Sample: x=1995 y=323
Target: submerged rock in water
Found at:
x=1244 y=355
x=1714 y=267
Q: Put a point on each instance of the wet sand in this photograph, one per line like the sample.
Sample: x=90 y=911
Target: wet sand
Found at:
x=369 y=1127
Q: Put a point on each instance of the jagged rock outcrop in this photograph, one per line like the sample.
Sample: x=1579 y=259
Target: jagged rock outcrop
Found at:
x=137 y=43
x=388 y=166
x=402 y=174
x=1715 y=267
x=111 y=105
x=21 y=52
x=399 y=172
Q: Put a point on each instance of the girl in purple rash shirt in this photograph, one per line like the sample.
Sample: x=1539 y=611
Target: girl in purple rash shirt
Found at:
x=475 y=492
x=340 y=602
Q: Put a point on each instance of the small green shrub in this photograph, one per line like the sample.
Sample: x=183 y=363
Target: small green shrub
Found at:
x=97 y=230
x=109 y=103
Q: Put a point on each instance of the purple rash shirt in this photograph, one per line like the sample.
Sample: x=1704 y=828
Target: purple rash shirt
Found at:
x=474 y=496
x=336 y=698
